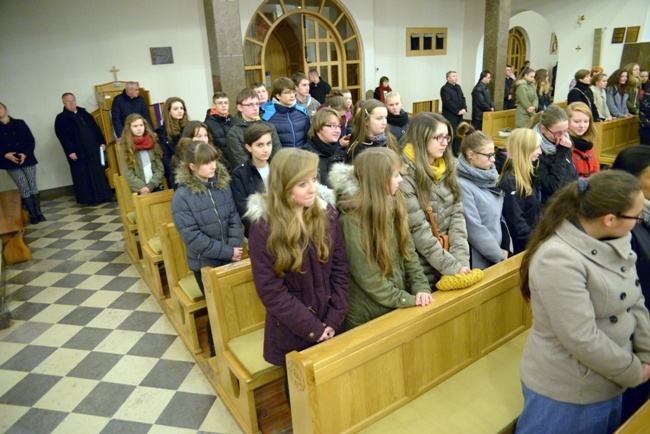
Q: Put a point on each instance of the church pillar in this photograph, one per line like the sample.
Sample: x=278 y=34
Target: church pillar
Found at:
x=495 y=47
x=225 y=47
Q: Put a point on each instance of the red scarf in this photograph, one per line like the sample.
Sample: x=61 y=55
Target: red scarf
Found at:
x=144 y=143
x=383 y=90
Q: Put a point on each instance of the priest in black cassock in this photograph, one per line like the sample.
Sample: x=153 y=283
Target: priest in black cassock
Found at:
x=82 y=140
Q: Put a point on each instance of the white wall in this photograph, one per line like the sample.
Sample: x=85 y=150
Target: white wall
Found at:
x=538 y=31
x=599 y=14
x=49 y=48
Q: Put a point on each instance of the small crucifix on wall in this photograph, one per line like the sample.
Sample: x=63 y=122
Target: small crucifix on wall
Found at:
x=114 y=71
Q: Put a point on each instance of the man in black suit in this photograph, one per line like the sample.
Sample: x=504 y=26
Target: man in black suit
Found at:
x=453 y=101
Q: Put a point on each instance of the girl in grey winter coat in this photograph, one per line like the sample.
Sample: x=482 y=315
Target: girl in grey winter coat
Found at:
x=487 y=234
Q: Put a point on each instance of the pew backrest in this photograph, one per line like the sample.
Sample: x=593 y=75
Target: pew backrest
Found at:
x=174 y=254
x=151 y=210
x=615 y=136
x=239 y=309
x=426 y=106
x=347 y=383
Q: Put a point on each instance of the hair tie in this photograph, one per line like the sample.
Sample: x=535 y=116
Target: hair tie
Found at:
x=366 y=110
x=583 y=185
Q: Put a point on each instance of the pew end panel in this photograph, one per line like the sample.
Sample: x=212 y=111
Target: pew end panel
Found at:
x=151 y=210
x=495 y=121
x=237 y=319
x=615 y=136
x=383 y=365
x=187 y=308
x=11 y=229
x=127 y=215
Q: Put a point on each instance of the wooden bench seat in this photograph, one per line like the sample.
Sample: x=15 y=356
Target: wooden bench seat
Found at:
x=11 y=228
x=615 y=136
x=358 y=378
x=638 y=423
x=237 y=320
x=151 y=210
x=187 y=310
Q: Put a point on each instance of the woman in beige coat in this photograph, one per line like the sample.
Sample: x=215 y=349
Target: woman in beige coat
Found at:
x=526 y=98
x=591 y=336
x=430 y=180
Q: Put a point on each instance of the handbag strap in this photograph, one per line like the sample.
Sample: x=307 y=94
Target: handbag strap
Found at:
x=434 y=226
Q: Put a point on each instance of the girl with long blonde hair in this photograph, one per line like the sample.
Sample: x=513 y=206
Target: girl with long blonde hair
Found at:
x=297 y=256
x=430 y=181
x=522 y=198
x=384 y=270
x=140 y=156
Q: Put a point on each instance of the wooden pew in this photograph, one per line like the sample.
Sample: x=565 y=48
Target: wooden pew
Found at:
x=615 y=136
x=237 y=321
x=426 y=106
x=638 y=423
x=127 y=214
x=187 y=308
x=150 y=211
x=11 y=228
x=495 y=121
x=360 y=377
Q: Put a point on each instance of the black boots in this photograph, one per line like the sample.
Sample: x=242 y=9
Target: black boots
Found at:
x=33 y=207
x=37 y=203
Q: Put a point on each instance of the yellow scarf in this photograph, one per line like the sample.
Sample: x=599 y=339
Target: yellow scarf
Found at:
x=438 y=167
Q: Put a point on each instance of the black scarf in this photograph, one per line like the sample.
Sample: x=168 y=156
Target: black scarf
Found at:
x=581 y=144
x=327 y=149
x=399 y=120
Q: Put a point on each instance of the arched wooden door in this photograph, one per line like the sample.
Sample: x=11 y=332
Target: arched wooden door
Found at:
x=316 y=34
x=516 y=49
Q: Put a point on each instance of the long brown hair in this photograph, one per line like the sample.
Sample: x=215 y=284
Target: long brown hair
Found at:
x=360 y=129
x=128 y=149
x=380 y=214
x=288 y=237
x=543 y=87
x=174 y=127
x=420 y=133
x=608 y=192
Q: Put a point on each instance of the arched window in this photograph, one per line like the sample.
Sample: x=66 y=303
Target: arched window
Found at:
x=516 y=49
x=285 y=36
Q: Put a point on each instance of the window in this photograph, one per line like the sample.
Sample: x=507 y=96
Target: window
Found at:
x=426 y=41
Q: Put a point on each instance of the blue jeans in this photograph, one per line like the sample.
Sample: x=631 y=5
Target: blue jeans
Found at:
x=547 y=416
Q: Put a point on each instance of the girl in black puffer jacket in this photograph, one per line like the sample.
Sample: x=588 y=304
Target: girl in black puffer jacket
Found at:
x=204 y=212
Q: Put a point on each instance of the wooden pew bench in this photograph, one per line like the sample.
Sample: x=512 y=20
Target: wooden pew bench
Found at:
x=127 y=215
x=358 y=379
x=426 y=106
x=150 y=211
x=11 y=228
x=638 y=423
x=615 y=136
x=187 y=309
x=237 y=320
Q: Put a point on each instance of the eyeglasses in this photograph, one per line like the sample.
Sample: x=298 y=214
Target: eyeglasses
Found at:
x=442 y=138
x=251 y=104
x=333 y=126
x=490 y=155
x=288 y=92
x=557 y=133
x=638 y=219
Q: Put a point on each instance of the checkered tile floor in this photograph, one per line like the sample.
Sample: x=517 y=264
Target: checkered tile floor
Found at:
x=89 y=349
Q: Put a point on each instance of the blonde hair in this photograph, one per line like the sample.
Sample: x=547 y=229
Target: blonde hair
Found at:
x=520 y=145
x=128 y=148
x=380 y=214
x=543 y=87
x=288 y=237
x=591 y=135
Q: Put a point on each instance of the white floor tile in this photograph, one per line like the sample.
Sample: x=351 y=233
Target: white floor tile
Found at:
x=66 y=394
x=53 y=313
x=119 y=341
x=145 y=405
x=81 y=423
x=57 y=335
x=130 y=370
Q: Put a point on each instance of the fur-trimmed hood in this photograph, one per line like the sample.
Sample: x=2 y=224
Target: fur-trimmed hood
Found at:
x=220 y=180
x=343 y=181
x=257 y=203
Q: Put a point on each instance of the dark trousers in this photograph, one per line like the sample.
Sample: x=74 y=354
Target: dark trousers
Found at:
x=199 y=280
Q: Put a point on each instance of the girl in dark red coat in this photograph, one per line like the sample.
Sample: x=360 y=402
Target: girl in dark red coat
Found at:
x=297 y=257
x=584 y=137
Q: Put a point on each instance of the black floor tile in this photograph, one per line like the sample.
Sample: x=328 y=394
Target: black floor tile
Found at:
x=29 y=390
x=28 y=358
x=87 y=338
x=95 y=365
x=152 y=345
x=81 y=316
x=105 y=399
x=186 y=410
x=38 y=421
x=27 y=310
x=167 y=374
